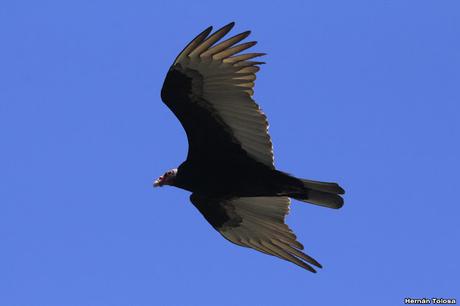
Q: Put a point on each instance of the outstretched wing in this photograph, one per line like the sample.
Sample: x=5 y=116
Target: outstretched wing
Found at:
x=255 y=222
x=209 y=89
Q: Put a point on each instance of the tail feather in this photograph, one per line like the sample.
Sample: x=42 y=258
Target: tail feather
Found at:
x=318 y=193
x=323 y=186
x=314 y=192
x=320 y=198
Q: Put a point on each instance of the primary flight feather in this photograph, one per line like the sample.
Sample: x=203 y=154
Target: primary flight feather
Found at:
x=230 y=167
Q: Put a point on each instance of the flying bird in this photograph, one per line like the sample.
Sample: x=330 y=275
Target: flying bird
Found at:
x=230 y=167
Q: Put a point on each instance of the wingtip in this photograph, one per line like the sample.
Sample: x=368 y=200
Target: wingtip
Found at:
x=317 y=265
x=227 y=27
x=207 y=31
x=246 y=33
x=309 y=268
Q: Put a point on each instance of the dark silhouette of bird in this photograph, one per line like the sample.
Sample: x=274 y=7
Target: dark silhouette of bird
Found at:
x=229 y=167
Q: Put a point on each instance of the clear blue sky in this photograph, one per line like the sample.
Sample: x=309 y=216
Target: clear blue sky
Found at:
x=365 y=93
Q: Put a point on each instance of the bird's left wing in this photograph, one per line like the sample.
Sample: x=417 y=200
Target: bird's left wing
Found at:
x=209 y=88
x=255 y=222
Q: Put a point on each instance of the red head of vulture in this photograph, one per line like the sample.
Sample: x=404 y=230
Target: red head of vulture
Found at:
x=229 y=167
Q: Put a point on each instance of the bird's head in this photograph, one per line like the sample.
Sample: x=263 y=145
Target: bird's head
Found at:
x=166 y=179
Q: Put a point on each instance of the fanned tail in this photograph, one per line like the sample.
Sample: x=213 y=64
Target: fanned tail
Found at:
x=320 y=193
x=314 y=192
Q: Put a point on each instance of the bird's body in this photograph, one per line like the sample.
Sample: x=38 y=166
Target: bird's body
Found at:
x=229 y=167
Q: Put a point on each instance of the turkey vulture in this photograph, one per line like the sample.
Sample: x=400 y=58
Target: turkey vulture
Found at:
x=229 y=167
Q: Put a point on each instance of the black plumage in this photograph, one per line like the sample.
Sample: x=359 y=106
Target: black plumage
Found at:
x=229 y=167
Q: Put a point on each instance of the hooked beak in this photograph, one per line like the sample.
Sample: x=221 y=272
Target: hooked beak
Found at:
x=157 y=183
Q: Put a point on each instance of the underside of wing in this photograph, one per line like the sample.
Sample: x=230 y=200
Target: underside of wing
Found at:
x=257 y=223
x=212 y=78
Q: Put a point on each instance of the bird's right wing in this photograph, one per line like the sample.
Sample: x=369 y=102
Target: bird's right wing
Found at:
x=255 y=222
x=209 y=89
